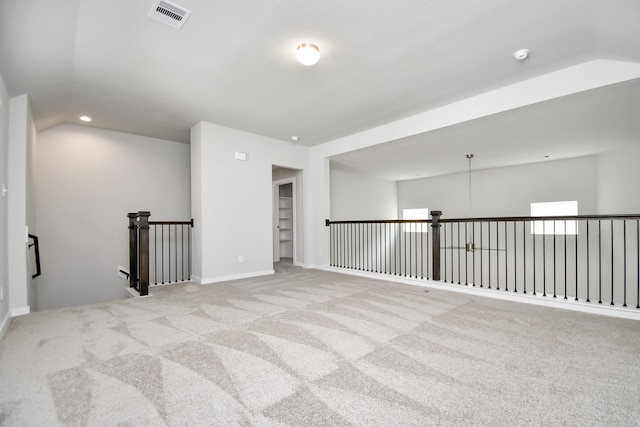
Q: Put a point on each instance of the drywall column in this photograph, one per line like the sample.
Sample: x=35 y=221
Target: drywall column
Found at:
x=317 y=210
x=232 y=200
x=4 y=164
x=20 y=135
x=196 y=202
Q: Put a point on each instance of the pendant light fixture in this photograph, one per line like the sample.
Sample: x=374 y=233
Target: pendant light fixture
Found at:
x=307 y=54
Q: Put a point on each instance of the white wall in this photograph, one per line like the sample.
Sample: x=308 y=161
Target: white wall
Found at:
x=4 y=145
x=88 y=180
x=505 y=191
x=355 y=196
x=232 y=200
x=618 y=178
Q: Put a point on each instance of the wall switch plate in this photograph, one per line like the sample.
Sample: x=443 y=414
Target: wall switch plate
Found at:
x=1 y=294
x=4 y=190
x=240 y=258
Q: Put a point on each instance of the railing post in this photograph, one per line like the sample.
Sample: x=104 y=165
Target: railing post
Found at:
x=144 y=252
x=435 y=243
x=133 y=249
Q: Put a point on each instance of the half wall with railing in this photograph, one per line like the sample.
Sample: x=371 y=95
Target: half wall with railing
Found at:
x=587 y=258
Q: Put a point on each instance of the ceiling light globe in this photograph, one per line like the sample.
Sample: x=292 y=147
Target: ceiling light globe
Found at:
x=307 y=54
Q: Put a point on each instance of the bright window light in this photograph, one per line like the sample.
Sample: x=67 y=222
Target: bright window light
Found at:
x=421 y=213
x=555 y=209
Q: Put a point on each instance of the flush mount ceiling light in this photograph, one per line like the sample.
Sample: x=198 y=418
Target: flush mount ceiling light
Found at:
x=521 y=55
x=85 y=118
x=307 y=53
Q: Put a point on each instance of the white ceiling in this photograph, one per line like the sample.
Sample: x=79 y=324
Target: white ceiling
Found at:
x=232 y=64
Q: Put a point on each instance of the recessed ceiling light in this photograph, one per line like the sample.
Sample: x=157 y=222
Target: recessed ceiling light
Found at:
x=85 y=118
x=307 y=53
x=295 y=138
x=521 y=55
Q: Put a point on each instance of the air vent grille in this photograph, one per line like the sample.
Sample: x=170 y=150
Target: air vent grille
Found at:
x=169 y=13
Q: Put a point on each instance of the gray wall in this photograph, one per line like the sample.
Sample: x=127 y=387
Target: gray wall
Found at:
x=355 y=196
x=618 y=178
x=505 y=191
x=87 y=181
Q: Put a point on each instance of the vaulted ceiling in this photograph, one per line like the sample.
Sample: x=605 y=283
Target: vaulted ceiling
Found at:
x=233 y=64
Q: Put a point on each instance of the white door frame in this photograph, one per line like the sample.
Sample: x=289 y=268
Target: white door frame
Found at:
x=276 y=217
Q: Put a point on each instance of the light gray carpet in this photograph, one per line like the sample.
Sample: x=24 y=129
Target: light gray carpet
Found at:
x=305 y=347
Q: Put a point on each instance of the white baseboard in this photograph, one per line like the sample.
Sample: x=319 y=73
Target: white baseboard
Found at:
x=548 y=301
x=232 y=277
x=20 y=311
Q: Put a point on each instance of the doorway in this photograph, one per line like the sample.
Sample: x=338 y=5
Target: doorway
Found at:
x=284 y=219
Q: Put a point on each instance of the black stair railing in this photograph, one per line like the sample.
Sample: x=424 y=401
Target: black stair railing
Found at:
x=588 y=258
x=159 y=251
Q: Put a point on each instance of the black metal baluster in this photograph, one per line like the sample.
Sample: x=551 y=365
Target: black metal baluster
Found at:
x=576 y=244
x=481 y=255
x=588 y=262
x=506 y=261
x=384 y=241
x=612 y=282
x=624 y=280
x=554 y=259
x=169 y=254
x=489 y=251
x=524 y=256
x=445 y=252
x=155 y=254
x=638 y=263
x=497 y=255
x=565 y=259
x=599 y=262
x=544 y=258
x=451 y=244
x=162 y=235
x=459 y=254
x=473 y=253
x=466 y=257
x=534 y=234
x=515 y=257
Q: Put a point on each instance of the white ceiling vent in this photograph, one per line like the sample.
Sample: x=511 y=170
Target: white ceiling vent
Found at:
x=169 y=13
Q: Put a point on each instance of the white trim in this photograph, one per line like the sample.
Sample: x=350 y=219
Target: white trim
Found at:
x=548 y=301
x=276 y=216
x=234 y=277
x=134 y=294
x=5 y=325
x=20 y=311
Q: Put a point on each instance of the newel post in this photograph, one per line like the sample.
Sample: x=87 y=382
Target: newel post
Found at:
x=435 y=243
x=133 y=249
x=143 y=259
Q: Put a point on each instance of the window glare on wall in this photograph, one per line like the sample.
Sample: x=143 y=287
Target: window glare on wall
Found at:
x=555 y=209
x=420 y=213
